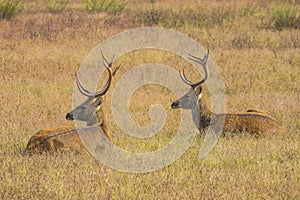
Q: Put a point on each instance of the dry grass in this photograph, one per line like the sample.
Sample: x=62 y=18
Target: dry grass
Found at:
x=41 y=51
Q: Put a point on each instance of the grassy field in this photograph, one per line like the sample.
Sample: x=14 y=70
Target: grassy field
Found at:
x=260 y=66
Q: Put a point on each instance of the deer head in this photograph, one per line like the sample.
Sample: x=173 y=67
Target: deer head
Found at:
x=192 y=97
x=88 y=110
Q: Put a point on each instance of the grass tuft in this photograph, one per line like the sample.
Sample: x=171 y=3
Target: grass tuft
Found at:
x=285 y=16
x=109 y=6
x=56 y=6
x=9 y=8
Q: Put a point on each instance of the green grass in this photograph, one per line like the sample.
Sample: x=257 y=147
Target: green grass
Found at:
x=9 y=8
x=260 y=66
x=109 y=6
x=56 y=6
x=286 y=16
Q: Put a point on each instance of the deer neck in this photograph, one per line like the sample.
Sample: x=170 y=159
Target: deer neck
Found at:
x=202 y=115
x=100 y=120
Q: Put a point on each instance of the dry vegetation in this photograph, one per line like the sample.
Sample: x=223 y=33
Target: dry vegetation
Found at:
x=260 y=65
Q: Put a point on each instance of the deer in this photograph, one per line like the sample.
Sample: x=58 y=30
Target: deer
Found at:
x=253 y=122
x=90 y=111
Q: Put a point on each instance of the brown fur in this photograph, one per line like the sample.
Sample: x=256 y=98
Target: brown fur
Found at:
x=252 y=121
x=63 y=138
x=55 y=139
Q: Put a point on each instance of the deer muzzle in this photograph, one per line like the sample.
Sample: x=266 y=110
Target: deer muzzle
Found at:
x=175 y=104
x=69 y=116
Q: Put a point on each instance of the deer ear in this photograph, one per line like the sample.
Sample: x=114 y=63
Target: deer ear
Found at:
x=198 y=91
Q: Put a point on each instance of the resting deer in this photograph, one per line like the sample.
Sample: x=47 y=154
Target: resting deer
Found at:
x=252 y=121
x=66 y=137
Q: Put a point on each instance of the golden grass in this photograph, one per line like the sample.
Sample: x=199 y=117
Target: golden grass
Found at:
x=41 y=51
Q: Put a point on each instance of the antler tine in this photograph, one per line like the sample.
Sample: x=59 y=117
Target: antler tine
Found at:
x=105 y=61
x=109 y=63
x=81 y=88
x=203 y=62
x=107 y=84
x=183 y=77
x=115 y=71
x=199 y=60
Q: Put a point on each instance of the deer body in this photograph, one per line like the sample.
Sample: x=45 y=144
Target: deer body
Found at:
x=55 y=139
x=67 y=137
x=249 y=122
x=252 y=121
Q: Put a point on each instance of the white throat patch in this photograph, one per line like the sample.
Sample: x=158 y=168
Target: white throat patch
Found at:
x=200 y=96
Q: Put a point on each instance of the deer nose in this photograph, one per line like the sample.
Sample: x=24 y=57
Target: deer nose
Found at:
x=69 y=116
x=175 y=105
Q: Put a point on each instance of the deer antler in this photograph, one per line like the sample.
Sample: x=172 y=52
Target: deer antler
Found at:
x=203 y=62
x=103 y=91
x=98 y=93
